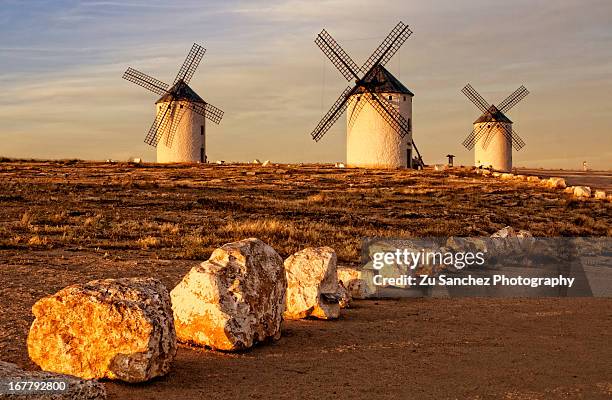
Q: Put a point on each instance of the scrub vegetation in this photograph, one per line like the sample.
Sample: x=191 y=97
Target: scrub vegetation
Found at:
x=185 y=211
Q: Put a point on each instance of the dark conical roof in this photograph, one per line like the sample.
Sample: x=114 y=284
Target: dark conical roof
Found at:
x=384 y=82
x=181 y=91
x=493 y=115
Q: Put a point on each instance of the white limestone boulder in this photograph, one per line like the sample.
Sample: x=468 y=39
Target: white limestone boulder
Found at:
x=76 y=388
x=533 y=179
x=508 y=241
x=506 y=177
x=582 y=191
x=312 y=284
x=233 y=300
x=555 y=183
x=353 y=281
x=442 y=167
x=358 y=289
x=346 y=274
x=600 y=195
x=112 y=328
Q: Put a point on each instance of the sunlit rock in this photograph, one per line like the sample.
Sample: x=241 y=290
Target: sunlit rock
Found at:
x=344 y=297
x=600 y=195
x=582 y=191
x=76 y=389
x=555 y=183
x=233 y=300
x=312 y=284
x=111 y=328
x=353 y=281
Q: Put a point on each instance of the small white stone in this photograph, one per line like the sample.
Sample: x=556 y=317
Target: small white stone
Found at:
x=556 y=183
x=505 y=232
x=582 y=191
x=442 y=167
x=600 y=195
x=509 y=232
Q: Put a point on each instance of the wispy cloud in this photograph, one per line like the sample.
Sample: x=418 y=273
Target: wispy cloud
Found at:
x=63 y=60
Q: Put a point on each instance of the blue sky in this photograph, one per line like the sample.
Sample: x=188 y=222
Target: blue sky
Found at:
x=63 y=95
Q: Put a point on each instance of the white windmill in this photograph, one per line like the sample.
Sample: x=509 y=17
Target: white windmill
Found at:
x=179 y=128
x=379 y=107
x=493 y=136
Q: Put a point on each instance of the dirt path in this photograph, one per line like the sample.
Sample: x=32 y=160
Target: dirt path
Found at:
x=423 y=349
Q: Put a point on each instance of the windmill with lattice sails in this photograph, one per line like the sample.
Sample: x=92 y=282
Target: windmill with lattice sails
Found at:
x=179 y=129
x=493 y=136
x=378 y=105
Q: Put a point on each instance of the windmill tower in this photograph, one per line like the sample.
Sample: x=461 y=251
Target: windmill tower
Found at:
x=493 y=136
x=179 y=129
x=379 y=107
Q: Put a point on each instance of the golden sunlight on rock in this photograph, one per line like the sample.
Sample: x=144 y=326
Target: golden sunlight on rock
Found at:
x=112 y=328
x=233 y=300
x=312 y=284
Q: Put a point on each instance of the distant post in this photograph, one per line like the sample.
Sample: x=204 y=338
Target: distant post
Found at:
x=585 y=168
x=450 y=159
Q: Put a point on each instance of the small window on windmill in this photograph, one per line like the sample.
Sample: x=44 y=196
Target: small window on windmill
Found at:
x=358 y=98
x=180 y=105
x=404 y=98
x=202 y=130
x=409 y=124
x=390 y=97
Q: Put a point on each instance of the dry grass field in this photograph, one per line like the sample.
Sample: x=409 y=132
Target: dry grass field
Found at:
x=69 y=221
x=183 y=212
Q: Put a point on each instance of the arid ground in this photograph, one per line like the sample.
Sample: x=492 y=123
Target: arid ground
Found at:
x=68 y=222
